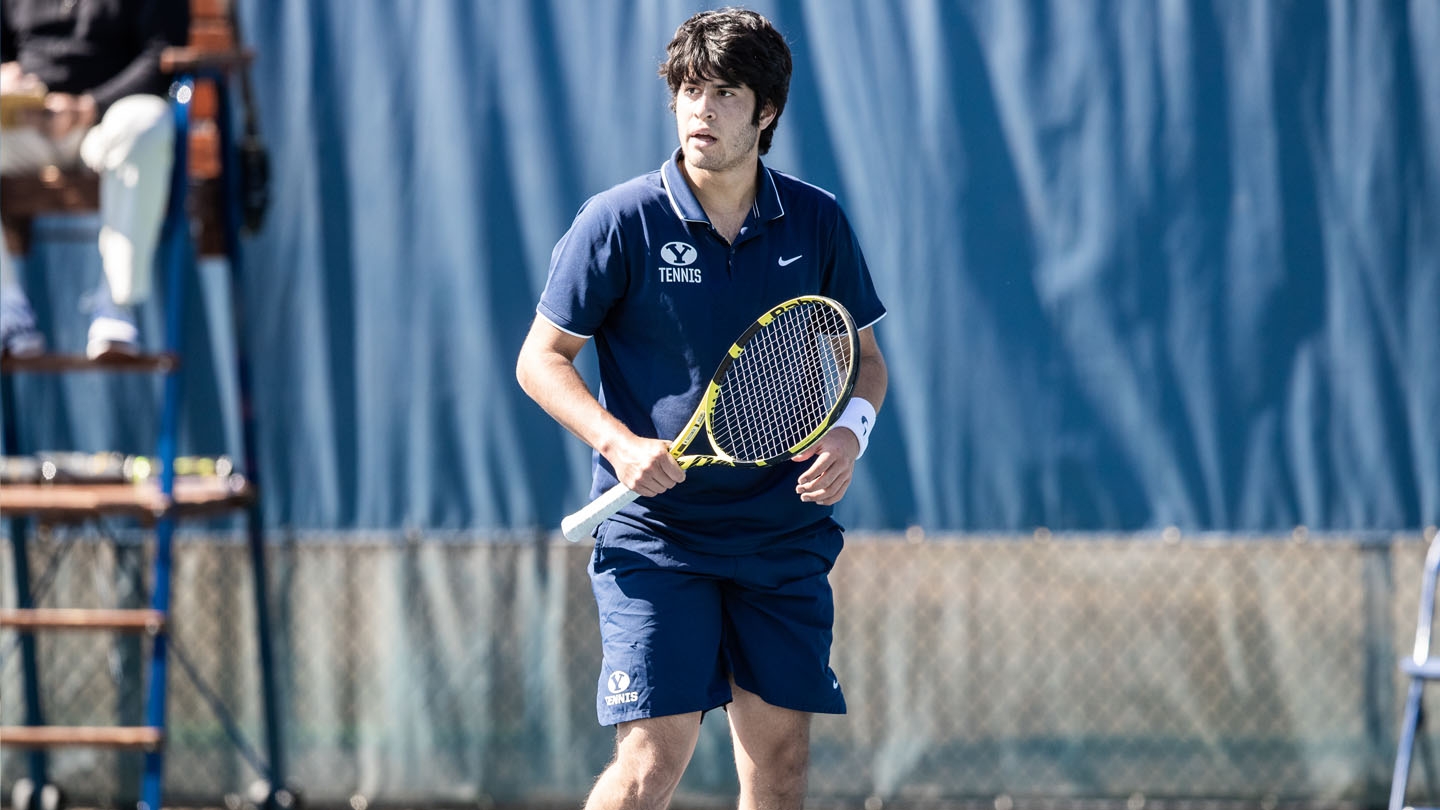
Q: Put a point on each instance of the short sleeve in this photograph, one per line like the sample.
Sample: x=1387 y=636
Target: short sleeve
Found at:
x=587 y=271
x=847 y=276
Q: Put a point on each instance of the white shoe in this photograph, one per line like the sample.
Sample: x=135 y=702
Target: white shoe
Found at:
x=112 y=336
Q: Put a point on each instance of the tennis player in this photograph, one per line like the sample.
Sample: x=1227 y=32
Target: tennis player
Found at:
x=713 y=593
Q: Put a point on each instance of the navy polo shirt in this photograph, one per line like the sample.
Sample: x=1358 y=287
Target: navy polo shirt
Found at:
x=664 y=296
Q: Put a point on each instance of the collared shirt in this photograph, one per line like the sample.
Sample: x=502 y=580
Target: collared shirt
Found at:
x=108 y=48
x=642 y=271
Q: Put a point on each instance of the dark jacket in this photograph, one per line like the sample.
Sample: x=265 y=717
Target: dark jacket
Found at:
x=107 y=48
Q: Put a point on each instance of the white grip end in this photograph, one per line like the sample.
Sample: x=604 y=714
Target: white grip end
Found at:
x=580 y=525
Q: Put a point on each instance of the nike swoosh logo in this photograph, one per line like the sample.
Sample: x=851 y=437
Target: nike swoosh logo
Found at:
x=791 y=260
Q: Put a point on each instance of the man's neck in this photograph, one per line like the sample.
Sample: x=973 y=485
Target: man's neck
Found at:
x=723 y=194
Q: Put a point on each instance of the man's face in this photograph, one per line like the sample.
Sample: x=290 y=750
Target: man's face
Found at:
x=715 y=123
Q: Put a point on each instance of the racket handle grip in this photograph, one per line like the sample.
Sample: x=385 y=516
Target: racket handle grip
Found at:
x=578 y=526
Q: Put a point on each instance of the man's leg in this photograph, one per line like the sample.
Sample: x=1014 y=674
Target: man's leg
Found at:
x=22 y=150
x=772 y=752
x=133 y=149
x=650 y=758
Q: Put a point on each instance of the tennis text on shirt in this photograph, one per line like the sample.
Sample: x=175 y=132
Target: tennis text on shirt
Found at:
x=679 y=258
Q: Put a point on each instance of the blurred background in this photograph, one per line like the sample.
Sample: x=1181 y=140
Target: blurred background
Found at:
x=1146 y=507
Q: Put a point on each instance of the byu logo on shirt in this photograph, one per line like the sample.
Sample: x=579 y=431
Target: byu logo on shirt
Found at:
x=677 y=258
x=679 y=254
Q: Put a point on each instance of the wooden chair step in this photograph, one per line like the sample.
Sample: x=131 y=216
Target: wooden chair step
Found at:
x=139 y=620
x=66 y=363
x=51 y=189
x=147 y=738
x=204 y=9
x=210 y=34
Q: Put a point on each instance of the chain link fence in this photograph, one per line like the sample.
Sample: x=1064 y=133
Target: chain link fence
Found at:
x=993 y=669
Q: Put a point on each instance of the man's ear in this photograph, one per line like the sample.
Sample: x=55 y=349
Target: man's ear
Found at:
x=767 y=115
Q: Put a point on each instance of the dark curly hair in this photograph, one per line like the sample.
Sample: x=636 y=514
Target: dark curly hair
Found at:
x=737 y=46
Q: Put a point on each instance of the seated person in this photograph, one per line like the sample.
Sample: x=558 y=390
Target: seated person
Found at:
x=93 y=70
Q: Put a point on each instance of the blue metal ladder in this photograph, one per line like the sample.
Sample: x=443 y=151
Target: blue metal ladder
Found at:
x=165 y=506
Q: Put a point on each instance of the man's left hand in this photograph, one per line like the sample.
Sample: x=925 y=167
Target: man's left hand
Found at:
x=829 y=477
x=68 y=113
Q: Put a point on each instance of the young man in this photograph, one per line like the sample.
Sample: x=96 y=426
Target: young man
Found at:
x=97 y=66
x=713 y=592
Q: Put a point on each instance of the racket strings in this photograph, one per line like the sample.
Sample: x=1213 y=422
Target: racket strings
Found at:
x=784 y=385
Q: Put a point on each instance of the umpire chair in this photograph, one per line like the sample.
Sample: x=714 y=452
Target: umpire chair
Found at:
x=1420 y=667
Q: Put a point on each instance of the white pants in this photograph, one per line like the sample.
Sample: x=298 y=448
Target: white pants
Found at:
x=131 y=148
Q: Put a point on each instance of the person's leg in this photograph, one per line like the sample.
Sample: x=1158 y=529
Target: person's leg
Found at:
x=660 y=631
x=132 y=148
x=22 y=149
x=660 y=628
x=650 y=758
x=19 y=336
x=779 y=613
x=772 y=752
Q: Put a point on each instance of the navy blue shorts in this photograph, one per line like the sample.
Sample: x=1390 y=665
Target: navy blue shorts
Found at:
x=676 y=625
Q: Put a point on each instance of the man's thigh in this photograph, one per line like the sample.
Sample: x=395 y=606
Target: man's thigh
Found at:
x=138 y=127
x=660 y=628
x=779 y=618
x=763 y=731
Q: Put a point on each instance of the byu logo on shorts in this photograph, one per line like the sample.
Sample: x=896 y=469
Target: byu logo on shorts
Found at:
x=679 y=254
x=617 y=684
x=619 y=679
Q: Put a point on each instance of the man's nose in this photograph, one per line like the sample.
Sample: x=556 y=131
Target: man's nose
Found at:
x=702 y=107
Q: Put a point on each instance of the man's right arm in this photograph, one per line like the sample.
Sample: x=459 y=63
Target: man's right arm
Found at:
x=546 y=371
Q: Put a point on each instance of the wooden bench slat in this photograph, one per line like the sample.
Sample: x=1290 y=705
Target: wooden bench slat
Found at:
x=144 y=737
x=135 y=620
x=194 y=495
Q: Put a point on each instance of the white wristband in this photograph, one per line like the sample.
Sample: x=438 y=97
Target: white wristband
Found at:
x=858 y=418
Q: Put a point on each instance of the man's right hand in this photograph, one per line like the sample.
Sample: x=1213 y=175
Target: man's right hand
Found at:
x=644 y=465
x=546 y=371
x=15 y=81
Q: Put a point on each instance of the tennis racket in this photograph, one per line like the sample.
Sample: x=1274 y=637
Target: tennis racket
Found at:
x=783 y=384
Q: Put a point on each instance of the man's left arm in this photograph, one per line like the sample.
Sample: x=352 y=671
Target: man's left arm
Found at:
x=160 y=24
x=833 y=467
